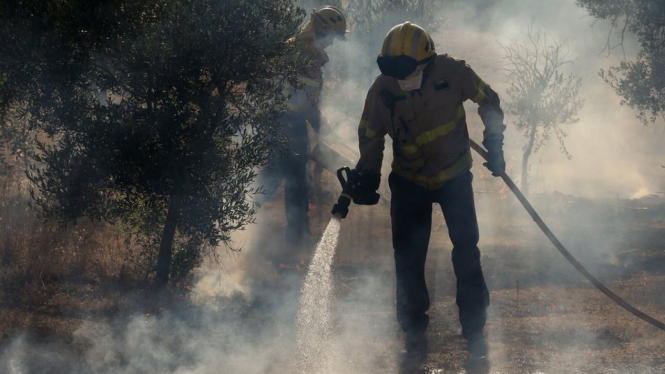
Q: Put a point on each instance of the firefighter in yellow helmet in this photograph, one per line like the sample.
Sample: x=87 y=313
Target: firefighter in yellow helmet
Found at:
x=417 y=100
x=323 y=26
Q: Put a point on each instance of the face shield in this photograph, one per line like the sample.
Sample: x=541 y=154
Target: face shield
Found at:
x=412 y=81
x=399 y=67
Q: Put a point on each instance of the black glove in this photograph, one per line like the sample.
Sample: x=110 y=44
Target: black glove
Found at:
x=495 y=162
x=364 y=192
x=357 y=185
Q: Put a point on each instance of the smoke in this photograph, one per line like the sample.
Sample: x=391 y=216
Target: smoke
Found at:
x=585 y=200
x=607 y=139
x=197 y=340
x=614 y=157
x=244 y=315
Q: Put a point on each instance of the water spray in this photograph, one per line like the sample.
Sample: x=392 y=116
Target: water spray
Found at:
x=576 y=264
x=314 y=320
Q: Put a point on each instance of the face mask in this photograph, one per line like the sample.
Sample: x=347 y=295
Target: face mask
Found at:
x=325 y=40
x=412 y=82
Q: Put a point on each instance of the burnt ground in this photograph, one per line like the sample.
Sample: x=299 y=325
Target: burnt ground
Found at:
x=544 y=317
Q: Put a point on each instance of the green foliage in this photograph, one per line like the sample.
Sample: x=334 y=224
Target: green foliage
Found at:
x=46 y=44
x=141 y=103
x=640 y=83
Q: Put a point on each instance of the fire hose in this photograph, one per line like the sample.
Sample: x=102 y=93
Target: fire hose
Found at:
x=623 y=303
x=341 y=210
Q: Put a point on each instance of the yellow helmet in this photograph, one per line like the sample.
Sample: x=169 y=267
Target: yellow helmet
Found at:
x=405 y=48
x=408 y=39
x=331 y=19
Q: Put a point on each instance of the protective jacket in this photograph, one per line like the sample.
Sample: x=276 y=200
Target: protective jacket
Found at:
x=427 y=126
x=306 y=90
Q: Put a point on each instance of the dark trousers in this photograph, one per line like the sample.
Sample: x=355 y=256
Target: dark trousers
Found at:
x=290 y=168
x=411 y=213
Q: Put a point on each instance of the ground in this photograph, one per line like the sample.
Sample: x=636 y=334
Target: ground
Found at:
x=544 y=317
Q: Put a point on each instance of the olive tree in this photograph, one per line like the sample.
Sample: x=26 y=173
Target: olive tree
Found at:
x=151 y=114
x=640 y=82
x=541 y=97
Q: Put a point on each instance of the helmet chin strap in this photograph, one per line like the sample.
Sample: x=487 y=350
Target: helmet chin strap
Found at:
x=411 y=83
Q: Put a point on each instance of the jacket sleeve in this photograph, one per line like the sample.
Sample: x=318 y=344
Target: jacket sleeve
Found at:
x=489 y=105
x=371 y=133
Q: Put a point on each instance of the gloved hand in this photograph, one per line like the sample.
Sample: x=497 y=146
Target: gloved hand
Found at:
x=496 y=164
x=357 y=186
x=364 y=192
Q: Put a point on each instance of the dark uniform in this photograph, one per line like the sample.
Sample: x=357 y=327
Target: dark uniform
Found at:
x=432 y=163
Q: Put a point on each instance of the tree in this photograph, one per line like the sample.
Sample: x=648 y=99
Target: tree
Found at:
x=152 y=114
x=641 y=83
x=541 y=96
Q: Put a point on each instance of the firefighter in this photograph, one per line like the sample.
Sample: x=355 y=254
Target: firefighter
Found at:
x=324 y=25
x=418 y=101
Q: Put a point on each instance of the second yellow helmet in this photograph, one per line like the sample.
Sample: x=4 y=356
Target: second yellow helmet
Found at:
x=331 y=19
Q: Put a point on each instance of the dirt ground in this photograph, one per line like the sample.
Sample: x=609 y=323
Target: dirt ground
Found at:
x=543 y=318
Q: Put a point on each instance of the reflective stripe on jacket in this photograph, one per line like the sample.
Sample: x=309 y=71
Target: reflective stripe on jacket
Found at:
x=427 y=126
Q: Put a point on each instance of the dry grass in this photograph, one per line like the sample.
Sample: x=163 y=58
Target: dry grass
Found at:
x=52 y=276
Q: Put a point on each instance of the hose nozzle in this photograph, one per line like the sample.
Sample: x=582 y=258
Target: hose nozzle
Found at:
x=345 y=198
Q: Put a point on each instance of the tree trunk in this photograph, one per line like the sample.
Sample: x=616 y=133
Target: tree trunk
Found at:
x=166 y=244
x=525 y=161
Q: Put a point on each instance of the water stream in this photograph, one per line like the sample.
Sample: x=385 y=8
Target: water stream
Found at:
x=314 y=320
